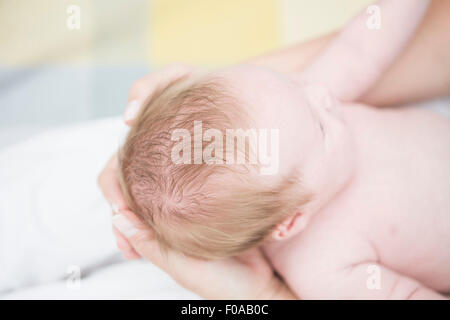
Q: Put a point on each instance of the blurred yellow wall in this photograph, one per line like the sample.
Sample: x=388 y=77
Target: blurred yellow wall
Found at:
x=221 y=32
x=213 y=32
x=158 y=32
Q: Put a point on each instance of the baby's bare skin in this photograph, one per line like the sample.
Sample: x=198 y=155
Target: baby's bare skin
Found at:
x=394 y=213
x=385 y=232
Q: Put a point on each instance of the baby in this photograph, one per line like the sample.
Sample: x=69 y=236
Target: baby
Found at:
x=358 y=195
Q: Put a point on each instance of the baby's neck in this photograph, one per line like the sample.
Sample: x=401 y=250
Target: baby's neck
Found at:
x=356 y=117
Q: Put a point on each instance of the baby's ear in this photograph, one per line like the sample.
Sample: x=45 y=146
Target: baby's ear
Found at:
x=290 y=226
x=317 y=94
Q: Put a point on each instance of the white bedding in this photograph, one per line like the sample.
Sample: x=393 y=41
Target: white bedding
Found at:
x=53 y=216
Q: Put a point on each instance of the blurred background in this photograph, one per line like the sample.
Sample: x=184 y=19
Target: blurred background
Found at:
x=53 y=73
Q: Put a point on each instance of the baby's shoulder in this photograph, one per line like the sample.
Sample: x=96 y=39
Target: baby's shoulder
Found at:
x=326 y=243
x=318 y=254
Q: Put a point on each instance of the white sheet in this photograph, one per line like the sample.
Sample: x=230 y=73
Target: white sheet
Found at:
x=52 y=216
x=126 y=280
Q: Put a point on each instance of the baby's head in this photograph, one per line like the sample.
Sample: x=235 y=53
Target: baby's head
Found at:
x=185 y=172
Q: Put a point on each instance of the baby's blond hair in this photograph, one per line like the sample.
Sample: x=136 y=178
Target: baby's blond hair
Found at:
x=203 y=210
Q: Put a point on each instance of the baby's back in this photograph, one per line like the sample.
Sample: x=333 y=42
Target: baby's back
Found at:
x=400 y=194
x=398 y=202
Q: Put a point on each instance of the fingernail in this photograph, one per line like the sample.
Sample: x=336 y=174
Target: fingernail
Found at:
x=115 y=208
x=125 y=226
x=131 y=110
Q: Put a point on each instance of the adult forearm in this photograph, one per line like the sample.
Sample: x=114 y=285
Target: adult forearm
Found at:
x=357 y=57
x=295 y=58
x=420 y=72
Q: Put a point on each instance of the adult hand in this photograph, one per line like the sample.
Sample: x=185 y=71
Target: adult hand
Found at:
x=140 y=91
x=248 y=276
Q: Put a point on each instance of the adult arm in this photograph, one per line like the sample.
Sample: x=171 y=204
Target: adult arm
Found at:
x=357 y=57
x=419 y=72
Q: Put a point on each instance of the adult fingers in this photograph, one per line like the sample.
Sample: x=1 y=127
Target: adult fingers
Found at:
x=140 y=237
x=127 y=249
x=110 y=187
